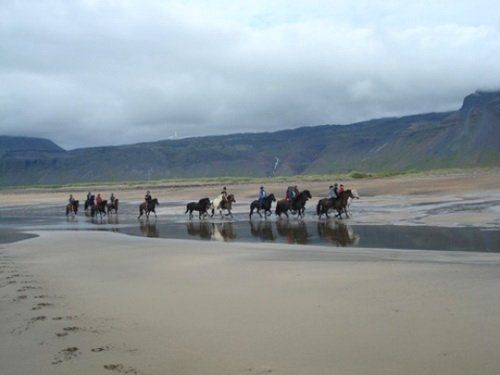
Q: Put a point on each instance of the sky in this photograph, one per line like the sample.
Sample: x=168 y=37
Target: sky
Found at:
x=91 y=73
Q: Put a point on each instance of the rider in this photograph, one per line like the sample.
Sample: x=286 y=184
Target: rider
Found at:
x=148 y=198
x=331 y=192
x=71 y=199
x=112 y=198
x=224 y=192
x=91 y=202
x=98 y=200
x=262 y=196
x=341 y=189
x=336 y=189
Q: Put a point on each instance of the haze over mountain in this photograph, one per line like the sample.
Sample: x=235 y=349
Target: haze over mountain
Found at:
x=468 y=137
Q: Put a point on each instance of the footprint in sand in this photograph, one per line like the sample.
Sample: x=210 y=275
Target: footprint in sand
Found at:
x=101 y=349
x=66 y=355
x=41 y=305
x=121 y=369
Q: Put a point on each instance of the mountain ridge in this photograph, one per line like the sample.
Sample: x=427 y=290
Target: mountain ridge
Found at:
x=467 y=137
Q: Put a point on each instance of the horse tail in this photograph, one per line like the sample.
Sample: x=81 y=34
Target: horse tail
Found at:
x=187 y=209
x=318 y=208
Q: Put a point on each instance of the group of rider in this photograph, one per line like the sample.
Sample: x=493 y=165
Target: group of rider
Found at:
x=291 y=194
x=93 y=200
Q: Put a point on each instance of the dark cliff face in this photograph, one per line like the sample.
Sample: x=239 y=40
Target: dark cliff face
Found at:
x=464 y=138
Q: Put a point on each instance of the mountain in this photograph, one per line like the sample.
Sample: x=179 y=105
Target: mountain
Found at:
x=468 y=137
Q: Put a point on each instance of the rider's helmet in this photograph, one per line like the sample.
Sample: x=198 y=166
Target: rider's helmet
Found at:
x=262 y=188
x=336 y=184
x=331 y=187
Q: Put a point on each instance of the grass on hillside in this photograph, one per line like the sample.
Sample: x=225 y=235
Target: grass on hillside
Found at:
x=177 y=182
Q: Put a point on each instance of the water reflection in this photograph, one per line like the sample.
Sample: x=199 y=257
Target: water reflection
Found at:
x=337 y=233
x=293 y=231
x=212 y=231
x=149 y=229
x=262 y=230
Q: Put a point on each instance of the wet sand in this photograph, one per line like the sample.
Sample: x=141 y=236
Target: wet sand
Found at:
x=98 y=302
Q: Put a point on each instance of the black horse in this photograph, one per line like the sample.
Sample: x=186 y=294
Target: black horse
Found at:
x=99 y=209
x=338 y=204
x=201 y=206
x=112 y=207
x=72 y=208
x=148 y=207
x=266 y=206
x=298 y=205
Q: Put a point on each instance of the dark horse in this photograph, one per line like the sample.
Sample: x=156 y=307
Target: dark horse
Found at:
x=266 y=206
x=225 y=204
x=99 y=209
x=72 y=208
x=298 y=205
x=148 y=207
x=201 y=206
x=112 y=207
x=339 y=204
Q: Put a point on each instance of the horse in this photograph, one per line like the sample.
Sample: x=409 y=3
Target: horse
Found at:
x=298 y=205
x=349 y=201
x=339 y=204
x=72 y=208
x=112 y=207
x=223 y=204
x=147 y=208
x=201 y=206
x=266 y=206
x=99 y=209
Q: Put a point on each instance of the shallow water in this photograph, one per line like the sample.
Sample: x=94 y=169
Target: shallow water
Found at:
x=171 y=224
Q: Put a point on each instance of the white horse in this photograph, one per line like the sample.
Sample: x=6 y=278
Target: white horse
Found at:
x=349 y=200
x=219 y=203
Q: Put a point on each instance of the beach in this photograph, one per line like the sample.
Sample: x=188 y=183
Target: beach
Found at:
x=93 y=302
x=102 y=297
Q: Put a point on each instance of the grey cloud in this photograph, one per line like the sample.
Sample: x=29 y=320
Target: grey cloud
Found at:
x=93 y=73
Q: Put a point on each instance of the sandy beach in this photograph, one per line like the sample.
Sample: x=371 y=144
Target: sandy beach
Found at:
x=94 y=302
x=86 y=299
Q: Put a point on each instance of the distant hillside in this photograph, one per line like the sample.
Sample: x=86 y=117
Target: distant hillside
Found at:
x=468 y=137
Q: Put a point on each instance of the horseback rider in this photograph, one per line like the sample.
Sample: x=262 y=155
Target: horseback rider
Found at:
x=341 y=189
x=224 y=192
x=262 y=196
x=91 y=202
x=98 y=200
x=336 y=190
x=331 y=193
x=148 y=199
x=112 y=199
x=71 y=199
x=290 y=194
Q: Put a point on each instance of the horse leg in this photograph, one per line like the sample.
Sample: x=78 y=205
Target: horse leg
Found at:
x=251 y=212
x=258 y=211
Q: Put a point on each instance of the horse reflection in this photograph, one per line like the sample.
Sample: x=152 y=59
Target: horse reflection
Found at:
x=337 y=233
x=293 y=231
x=149 y=229
x=211 y=231
x=262 y=230
x=113 y=219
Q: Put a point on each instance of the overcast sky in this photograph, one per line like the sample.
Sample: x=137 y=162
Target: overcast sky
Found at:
x=90 y=72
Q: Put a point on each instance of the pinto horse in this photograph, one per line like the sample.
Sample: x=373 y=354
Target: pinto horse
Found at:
x=223 y=204
x=339 y=204
x=266 y=206
x=72 y=208
x=298 y=205
x=201 y=206
x=147 y=208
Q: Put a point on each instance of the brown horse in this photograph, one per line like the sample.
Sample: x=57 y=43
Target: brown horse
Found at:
x=147 y=208
x=298 y=205
x=72 y=208
x=338 y=204
x=112 y=207
x=99 y=209
x=225 y=204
